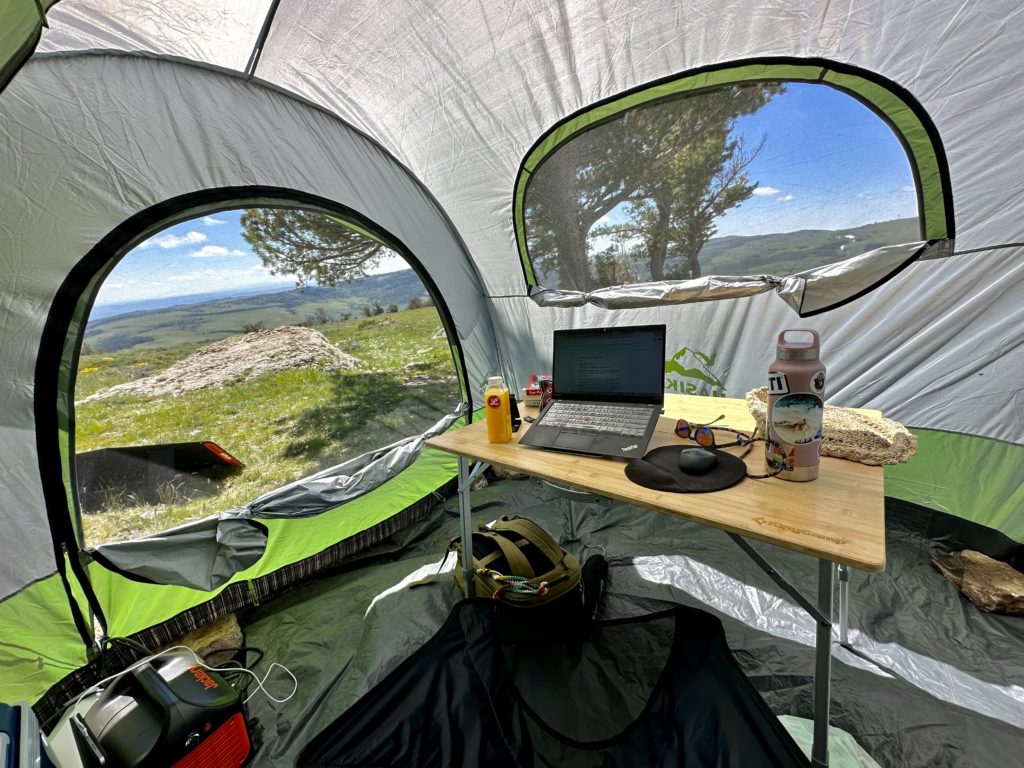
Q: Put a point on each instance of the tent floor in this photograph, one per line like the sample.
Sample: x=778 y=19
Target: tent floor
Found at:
x=955 y=696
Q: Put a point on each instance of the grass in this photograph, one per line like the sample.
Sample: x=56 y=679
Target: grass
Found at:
x=283 y=425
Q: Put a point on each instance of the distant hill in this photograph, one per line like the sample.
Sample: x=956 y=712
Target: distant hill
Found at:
x=106 y=311
x=791 y=252
x=209 y=321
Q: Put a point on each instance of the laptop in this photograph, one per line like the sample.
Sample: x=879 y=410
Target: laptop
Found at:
x=608 y=390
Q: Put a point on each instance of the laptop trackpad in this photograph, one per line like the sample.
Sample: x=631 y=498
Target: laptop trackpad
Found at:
x=570 y=441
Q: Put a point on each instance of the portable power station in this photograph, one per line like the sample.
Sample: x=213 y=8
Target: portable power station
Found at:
x=21 y=744
x=167 y=713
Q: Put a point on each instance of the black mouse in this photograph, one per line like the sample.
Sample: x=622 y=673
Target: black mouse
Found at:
x=696 y=461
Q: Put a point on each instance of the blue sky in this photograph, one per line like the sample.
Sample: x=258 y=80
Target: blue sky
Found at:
x=827 y=163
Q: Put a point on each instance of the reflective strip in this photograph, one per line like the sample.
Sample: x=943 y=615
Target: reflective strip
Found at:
x=778 y=617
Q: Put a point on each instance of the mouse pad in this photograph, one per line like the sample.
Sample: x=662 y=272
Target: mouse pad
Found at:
x=659 y=469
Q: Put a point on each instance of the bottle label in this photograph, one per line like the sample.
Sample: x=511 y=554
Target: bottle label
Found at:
x=493 y=401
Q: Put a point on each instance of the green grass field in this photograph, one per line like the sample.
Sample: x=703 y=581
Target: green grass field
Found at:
x=283 y=425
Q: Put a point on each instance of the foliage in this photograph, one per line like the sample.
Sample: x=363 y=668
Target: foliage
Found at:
x=671 y=168
x=311 y=246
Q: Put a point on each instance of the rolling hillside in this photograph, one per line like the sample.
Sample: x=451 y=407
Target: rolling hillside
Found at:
x=790 y=252
x=210 y=321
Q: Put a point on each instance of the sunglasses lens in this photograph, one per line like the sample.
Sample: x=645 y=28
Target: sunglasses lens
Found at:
x=705 y=437
x=683 y=428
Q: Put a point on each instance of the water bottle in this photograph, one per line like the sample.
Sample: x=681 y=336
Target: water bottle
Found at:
x=499 y=413
x=796 y=406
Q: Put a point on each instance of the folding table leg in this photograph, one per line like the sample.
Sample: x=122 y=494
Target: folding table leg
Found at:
x=465 y=520
x=844 y=602
x=822 y=665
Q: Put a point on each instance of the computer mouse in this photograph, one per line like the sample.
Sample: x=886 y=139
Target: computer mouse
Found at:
x=696 y=461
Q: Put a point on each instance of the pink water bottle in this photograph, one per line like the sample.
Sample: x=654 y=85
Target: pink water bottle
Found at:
x=796 y=405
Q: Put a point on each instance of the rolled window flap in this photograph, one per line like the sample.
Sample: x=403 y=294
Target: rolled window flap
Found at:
x=202 y=555
x=342 y=483
x=831 y=285
x=807 y=293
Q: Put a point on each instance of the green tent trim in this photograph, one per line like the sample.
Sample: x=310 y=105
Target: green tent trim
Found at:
x=21 y=26
x=975 y=478
x=131 y=606
x=39 y=644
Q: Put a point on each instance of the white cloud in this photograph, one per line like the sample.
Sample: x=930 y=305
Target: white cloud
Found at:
x=175 y=241
x=786 y=198
x=209 y=251
x=908 y=188
x=766 y=191
x=211 y=221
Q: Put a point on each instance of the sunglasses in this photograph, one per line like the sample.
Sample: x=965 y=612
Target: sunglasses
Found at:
x=704 y=436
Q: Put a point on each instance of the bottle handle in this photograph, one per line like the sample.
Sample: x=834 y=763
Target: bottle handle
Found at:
x=814 y=344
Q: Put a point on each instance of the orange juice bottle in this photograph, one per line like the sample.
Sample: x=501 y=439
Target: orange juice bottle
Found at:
x=499 y=415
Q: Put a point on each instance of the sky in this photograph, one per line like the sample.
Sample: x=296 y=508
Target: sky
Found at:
x=827 y=163
x=202 y=255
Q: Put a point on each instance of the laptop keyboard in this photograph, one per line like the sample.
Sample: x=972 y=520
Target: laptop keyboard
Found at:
x=595 y=418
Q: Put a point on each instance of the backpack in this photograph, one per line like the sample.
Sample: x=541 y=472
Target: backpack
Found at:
x=519 y=564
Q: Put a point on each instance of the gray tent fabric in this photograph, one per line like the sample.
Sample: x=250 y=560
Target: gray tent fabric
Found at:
x=201 y=555
x=916 y=703
x=416 y=118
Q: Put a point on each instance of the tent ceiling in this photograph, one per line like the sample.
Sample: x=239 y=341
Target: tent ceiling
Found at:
x=460 y=91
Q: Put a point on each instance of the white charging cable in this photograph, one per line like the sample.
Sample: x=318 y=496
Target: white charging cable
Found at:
x=260 y=683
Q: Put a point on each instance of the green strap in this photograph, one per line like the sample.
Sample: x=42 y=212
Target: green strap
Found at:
x=534 y=534
x=517 y=562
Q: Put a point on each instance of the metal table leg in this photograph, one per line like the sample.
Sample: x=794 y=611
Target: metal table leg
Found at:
x=822 y=615
x=822 y=665
x=466 y=478
x=844 y=602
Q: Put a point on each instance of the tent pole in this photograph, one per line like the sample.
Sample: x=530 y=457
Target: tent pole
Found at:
x=466 y=479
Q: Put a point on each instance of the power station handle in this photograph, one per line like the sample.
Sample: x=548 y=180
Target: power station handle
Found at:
x=155 y=687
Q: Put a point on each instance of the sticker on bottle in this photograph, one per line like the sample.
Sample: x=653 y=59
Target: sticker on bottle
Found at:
x=777 y=384
x=797 y=419
x=818 y=382
x=494 y=401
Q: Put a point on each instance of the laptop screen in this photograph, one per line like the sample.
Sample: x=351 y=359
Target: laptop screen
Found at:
x=624 y=364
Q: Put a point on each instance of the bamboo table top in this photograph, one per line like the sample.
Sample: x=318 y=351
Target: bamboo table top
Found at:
x=838 y=517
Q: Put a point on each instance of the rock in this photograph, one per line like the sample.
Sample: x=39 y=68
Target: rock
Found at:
x=505 y=474
x=212 y=643
x=239 y=358
x=423 y=381
x=992 y=585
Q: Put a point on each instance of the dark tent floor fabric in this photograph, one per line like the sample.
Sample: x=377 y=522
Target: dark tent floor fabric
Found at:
x=957 y=699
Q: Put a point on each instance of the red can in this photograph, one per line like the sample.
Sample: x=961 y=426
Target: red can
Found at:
x=545 y=391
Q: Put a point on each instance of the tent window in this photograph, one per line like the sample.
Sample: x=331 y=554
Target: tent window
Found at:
x=765 y=177
x=235 y=353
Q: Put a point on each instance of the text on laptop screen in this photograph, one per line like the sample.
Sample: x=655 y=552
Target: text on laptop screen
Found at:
x=610 y=363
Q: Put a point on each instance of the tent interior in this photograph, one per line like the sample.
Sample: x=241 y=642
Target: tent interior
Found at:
x=727 y=170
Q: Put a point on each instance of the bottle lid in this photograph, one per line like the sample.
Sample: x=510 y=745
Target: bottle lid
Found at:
x=495 y=381
x=807 y=349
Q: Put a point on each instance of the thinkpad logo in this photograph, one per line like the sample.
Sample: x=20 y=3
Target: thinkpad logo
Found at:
x=632 y=447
